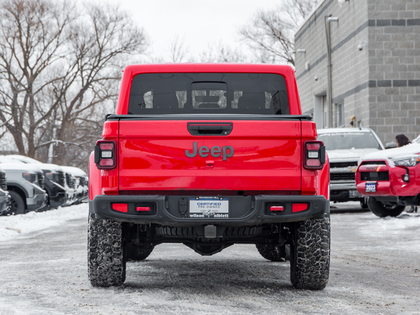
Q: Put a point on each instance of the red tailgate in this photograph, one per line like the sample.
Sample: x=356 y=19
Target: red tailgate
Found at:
x=152 y=155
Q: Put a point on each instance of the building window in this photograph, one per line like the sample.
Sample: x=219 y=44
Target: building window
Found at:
x=325 y=110
x=340 y=115
x=320 y=111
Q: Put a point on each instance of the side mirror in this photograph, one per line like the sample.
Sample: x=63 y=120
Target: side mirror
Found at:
x=391 y=145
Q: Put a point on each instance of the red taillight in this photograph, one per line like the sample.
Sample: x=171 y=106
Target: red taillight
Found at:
x=313 y=162
x=106 y=146
x=142 y=208
x=105 y=154
x=276 y=208
x=313 y=146
x=121 y=207
x=106 y=162
x=314 y=155
x=297 y=207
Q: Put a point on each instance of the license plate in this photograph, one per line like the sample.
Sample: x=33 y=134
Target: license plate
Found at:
x=209 y=207
x=370 y=187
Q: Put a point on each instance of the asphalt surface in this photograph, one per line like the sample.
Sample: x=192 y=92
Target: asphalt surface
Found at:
x=371 y=273
x=346 y=207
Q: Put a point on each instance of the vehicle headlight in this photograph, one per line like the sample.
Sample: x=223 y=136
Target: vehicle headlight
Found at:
x=30 y=177
x=412 y=160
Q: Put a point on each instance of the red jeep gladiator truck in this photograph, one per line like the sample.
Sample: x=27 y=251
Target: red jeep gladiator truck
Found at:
x=209 y=155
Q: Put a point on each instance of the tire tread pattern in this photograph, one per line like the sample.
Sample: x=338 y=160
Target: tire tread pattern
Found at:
x=310 y=254
x=106 y=261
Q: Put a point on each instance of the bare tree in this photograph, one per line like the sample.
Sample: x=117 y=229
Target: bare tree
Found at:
x=215 y=52
x=33 y=34
x=58 y=63
x=178 y=50
x=222 y=53
x=100 y=45
x=270 y=34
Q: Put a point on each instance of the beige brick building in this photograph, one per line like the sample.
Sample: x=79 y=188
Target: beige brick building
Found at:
x=375 y=65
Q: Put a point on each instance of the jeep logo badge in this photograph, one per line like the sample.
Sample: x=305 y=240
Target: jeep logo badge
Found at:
x=216 y=151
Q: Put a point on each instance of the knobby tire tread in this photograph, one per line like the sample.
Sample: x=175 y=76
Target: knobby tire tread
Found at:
x=106 y=261
x=310 y=254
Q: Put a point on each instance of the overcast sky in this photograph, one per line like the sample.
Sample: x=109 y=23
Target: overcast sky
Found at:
x=197 y=23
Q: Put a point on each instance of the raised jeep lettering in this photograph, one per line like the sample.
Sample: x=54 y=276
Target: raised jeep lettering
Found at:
x=203 y=151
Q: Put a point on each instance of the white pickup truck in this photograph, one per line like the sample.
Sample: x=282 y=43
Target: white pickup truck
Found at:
x=345 y=146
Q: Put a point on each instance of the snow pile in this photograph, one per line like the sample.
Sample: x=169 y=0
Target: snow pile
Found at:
x=15 y=226
x=401 y=233
x=403 y=224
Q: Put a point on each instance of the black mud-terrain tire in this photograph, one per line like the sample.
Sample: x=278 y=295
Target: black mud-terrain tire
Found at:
x=310 y=254
x=382 y=210
x=138 y=253
x=17 y=205
x=274 y=252
x=106 y=261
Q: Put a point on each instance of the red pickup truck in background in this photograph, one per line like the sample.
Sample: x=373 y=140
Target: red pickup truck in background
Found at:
x=209 y=155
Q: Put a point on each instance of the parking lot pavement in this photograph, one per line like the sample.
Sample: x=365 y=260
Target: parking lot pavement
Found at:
x=374 y=270
x=351 y=206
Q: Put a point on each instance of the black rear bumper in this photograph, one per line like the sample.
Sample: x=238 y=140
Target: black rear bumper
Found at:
x=243 y=210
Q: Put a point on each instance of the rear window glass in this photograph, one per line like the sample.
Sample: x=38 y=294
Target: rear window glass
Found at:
x=240 y=93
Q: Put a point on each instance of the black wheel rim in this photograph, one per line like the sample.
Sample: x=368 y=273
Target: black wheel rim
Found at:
x=14 y=207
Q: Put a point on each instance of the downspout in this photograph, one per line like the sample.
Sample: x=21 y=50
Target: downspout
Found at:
x=329 y=19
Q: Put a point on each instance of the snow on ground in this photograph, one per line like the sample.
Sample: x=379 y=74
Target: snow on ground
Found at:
x=15 y=226
x=403 y=232
x=404 y=222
